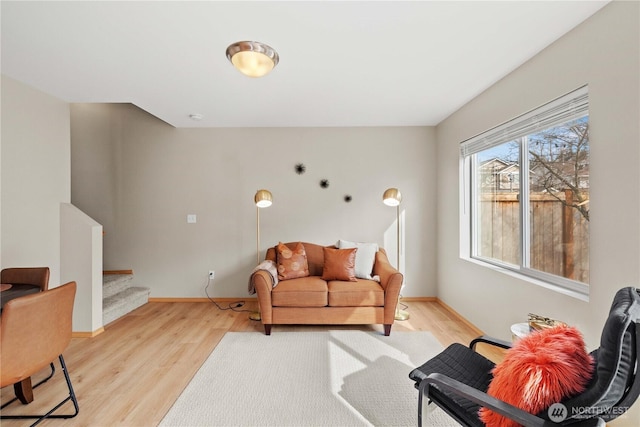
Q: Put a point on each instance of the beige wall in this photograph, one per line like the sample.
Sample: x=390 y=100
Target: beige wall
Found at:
x=603 y=52
x=81 y=261
x=35 y=176
x=139 y=178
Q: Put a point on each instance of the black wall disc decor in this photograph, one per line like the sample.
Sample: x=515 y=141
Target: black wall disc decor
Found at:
x=324 y=183
x=300 y=168
x=348 y=198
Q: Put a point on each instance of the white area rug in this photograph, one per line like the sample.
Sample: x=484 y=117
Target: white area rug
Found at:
x=333 y=378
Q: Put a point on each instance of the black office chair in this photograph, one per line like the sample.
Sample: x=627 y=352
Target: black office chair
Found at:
x=457 y=379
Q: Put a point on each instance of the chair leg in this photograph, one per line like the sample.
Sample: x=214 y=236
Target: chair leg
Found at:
x=71 y=397
x=420 y=395
x=24 y=391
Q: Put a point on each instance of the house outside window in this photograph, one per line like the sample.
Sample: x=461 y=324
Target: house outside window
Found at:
x=526 y=186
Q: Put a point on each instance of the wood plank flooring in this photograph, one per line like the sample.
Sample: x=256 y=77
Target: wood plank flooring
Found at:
x=131 y=374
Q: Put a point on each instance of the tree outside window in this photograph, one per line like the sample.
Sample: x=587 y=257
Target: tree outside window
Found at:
x=530 y=196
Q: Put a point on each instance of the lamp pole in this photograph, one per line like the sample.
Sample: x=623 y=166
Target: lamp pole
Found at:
x=393 y=197
x=262 y=199
x=398 y=237
x=257 y=235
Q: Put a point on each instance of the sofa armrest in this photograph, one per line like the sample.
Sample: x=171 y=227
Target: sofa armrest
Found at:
x=263 y=285
x=391 y=281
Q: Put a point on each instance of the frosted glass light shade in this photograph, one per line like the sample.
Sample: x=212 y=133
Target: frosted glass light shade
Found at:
x=392 y=197
x=253 y=59
x=263 y=198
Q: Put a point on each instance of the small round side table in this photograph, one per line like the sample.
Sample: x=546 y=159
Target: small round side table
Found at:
x=519 y=330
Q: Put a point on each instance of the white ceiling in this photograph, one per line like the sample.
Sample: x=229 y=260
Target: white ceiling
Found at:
x=361 y=63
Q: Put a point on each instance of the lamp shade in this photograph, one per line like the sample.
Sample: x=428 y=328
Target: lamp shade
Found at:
x=392 y=197
x=253 y=59
x=263 y=198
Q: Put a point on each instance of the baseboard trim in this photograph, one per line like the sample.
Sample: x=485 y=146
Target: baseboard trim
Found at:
x=201 y=299
x=87 y=334
x=188 y=299
x=459 y=317
x=117 y=272
x=228 y=300
x=406 y=299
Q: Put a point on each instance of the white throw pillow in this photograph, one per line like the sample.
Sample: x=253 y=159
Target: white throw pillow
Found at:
x=365 y=257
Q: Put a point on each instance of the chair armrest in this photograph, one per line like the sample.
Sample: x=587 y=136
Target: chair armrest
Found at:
x=262 y=280
x=449 y=384
x=389 y=275
x=263 y=285
x=491 y=341
x=503 y=408
x=391 y=281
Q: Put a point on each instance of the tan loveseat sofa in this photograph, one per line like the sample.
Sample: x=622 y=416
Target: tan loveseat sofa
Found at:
x=313 y=300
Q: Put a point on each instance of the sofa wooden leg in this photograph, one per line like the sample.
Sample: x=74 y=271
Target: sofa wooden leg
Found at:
x=387 y=330
x=267 y=329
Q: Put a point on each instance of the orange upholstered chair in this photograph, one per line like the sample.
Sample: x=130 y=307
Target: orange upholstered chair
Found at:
x=35 y=330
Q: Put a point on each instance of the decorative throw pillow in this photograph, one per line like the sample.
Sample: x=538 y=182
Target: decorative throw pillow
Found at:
x=540 y=369
x=339 y=264
x=291 y=263
x=365 y=257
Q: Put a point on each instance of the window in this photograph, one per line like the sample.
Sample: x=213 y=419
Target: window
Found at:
x=526 y=186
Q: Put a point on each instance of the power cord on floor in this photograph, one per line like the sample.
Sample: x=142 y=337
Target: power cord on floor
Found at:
x=233 y=306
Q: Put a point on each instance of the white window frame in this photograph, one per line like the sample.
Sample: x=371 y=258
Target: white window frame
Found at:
x=561 y=110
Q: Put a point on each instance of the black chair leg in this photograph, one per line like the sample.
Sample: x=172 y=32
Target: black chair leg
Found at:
x=420 y=408
x=71 y=397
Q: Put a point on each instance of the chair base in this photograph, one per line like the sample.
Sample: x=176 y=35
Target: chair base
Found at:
x=71 y=397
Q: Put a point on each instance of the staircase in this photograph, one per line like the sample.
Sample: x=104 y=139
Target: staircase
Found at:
x=120 y=296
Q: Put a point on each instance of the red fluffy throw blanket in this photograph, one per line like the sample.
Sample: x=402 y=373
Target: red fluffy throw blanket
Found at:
x=541 y=369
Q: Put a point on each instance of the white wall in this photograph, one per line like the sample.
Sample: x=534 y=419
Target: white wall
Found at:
x=140 y=177
x=35 y=176
x=81 y=261
x=603 y=52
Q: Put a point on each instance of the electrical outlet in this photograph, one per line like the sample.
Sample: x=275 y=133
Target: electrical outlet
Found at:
x=212 y=274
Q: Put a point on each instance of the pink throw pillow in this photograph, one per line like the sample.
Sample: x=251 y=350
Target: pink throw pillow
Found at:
x=540 y=369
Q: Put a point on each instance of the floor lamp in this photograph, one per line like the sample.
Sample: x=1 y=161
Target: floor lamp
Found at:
x=393 y=197
x=262 y=199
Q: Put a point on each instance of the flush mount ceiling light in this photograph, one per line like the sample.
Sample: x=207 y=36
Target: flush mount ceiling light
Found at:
x=253 y=59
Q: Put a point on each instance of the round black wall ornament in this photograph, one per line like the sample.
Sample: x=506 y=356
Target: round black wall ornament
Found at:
x=348 y=198
x=324 y=183
x=300 y=168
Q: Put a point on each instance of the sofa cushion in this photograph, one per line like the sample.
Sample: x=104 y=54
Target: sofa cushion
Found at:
x=292 y=263
x=315 y=256
x=339 y=264
x=365 y=257
x=360 y=293
x=302 y=292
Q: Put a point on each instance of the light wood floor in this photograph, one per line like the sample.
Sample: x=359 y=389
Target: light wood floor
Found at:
x=131 y=374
